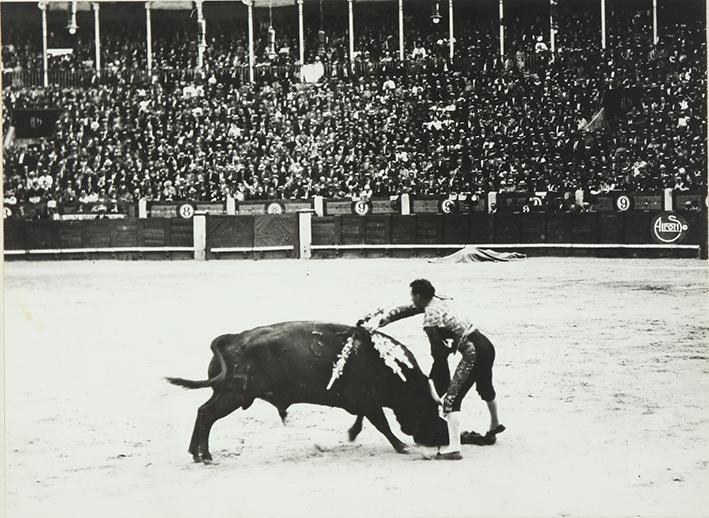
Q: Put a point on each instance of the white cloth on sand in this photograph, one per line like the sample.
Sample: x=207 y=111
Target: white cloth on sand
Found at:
x=472 y=254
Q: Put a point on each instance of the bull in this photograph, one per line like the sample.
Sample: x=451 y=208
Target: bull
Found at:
x=292 y=362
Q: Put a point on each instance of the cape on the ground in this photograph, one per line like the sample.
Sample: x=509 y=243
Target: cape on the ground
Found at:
x=472 y=254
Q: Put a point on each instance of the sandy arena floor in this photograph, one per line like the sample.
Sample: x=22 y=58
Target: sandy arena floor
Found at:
x=602 y=375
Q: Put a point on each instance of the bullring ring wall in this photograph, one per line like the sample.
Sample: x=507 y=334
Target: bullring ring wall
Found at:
x=621 y=225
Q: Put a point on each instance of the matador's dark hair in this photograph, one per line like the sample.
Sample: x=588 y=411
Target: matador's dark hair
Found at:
x=423 y=287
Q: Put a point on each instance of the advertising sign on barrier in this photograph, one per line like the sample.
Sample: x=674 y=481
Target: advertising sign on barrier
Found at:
x=334 y=207
x=250 y=208
x=603 y=203
x=83 y=215
x=425 y=206
x=211 y=208
x=296 y=205
x=385 y=207
x=162 y=210
x=669 y=228
x=513 y=201
x=473 y=203
x=689 y=201
x=648 y=202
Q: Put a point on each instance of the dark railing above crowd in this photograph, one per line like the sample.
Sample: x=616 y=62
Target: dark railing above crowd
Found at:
x=530 y=63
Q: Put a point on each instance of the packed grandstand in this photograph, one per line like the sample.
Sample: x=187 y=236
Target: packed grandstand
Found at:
x=374 y=126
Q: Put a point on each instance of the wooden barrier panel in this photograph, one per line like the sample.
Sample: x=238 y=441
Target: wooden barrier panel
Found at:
x=70 y=234
x=126 y=233
x=557 y=228
x=98 y=234
x=480 y=228
x=506 y=228
x=403 y=229
x=377 y=229
x=697 y=223
x=532 y=227
x=15 y=237
x=352 y=229
x=637 y=227
x=429 y=229
x=275 y=230
x=42 y=234
x=584 y=227
x=230 y=231
x=181 y=233
x=610 y=228
x=455 y=228
x=154 y=232
x=326 y=230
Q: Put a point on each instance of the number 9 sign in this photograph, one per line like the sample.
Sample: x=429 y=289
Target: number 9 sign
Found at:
x=622 y=203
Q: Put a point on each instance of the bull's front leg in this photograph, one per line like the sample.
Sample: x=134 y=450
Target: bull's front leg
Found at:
x=356 y=428
x=379 y=420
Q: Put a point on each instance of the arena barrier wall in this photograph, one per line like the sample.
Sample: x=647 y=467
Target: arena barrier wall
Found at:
x=107 y=236
x=303 y=234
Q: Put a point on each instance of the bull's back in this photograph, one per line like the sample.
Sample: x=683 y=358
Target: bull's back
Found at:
x=292 y=362
x=288 y=362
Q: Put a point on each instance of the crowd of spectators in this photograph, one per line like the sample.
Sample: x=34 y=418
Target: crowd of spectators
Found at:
x=428 y=130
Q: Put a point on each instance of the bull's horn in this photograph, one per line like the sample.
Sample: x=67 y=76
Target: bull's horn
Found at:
x=434 y=394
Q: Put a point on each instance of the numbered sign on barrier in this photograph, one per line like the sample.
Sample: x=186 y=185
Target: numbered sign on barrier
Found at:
x=186 y=210
x=448 y=206
x=361 y=207
x=623 y=203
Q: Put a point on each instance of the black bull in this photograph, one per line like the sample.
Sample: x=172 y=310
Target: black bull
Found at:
x=292 y=362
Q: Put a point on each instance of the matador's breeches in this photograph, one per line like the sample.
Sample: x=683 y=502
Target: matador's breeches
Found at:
x=474 y=368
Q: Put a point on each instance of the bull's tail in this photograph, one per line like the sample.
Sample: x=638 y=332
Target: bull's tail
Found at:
x=191 y=384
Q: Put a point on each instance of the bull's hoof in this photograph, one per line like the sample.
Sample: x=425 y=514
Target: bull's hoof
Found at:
x=403 y=449
x=353 y=432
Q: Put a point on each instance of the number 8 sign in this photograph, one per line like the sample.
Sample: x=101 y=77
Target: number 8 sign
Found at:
x=186 y=210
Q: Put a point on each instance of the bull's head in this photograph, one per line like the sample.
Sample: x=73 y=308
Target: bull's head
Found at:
x=420 y=418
